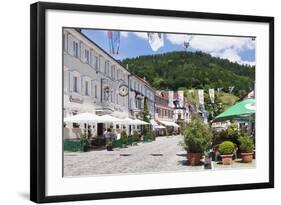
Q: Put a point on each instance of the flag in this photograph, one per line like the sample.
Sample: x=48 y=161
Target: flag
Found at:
x=156 y=40
x=114 y=41
x=186 y=41
x=212 y=95
x=201 y=96
x=181 y=98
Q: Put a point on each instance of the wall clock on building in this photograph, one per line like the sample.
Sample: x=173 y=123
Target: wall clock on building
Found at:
x=123 y=90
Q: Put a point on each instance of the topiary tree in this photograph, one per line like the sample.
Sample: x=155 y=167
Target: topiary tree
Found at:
x=151 y=135
x=197 y=136
x=226 y=148
x=124 y=137
x=136 y=136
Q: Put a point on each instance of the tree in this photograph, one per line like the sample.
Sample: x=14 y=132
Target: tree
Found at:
x=192 y=70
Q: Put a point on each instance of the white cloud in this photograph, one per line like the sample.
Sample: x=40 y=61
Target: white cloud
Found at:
x=218 y=43
x=219 y=46
x=232 y=55
x=141 y=35
x=177 y=39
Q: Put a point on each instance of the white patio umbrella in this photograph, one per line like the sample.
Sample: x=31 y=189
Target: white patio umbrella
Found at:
x=86 y=117
x=109 y=119
x=140 y=122
x=129 y=121
x=82 y=118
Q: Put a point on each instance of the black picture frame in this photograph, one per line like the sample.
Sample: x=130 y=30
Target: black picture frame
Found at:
x=38 y=100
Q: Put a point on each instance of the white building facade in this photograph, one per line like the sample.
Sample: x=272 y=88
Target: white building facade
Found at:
x=92 y=78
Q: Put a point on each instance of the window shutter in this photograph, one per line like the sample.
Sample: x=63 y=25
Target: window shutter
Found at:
x=89 y=88
x=92 y=88
x=79 y=84
x=70 y=82
x=82 y=56
x=66 y=81
x=70 y=45
x=83 y=86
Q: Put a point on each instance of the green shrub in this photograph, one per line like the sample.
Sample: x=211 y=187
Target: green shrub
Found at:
x=197 y=136
x=84 y=139
x=136 y=136
x=124 y=137
x=151 y=135
x=226 y=147
x=230 y=134
x=246 y=144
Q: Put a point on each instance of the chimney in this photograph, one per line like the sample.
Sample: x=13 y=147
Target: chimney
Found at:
x=127 y=66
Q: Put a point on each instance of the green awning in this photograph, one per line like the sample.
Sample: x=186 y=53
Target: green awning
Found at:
x=240 y=110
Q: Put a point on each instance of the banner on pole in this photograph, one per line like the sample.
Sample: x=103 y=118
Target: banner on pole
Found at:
x=156 y=40
x=201 y=96
x=212 y=95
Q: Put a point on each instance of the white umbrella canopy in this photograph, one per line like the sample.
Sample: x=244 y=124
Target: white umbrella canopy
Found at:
x=108 y=118
x=140 y=122
x=82 y=118
x=129 y=121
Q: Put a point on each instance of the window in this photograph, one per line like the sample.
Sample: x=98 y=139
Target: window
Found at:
x=112 y=71
x=75 y=84
x=87 y=56
x=117 y=74
x=106 y=68
x=75 y=49
x=96 y=91
x=87 y=88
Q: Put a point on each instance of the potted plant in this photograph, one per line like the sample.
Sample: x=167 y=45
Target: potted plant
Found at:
x=151 y=135
x=84 y=140
x=135 y=137
x=246 y=147
x=226 y=150
x=109 y=146
x=124 y=138
x=197 y=139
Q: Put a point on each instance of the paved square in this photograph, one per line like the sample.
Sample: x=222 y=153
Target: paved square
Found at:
x=162 y=155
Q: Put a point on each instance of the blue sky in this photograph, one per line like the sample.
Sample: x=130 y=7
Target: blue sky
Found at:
x=132 y=44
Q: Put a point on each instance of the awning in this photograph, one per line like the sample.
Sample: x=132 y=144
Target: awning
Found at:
x=240 y=110
x=168 y=123
x=159 y=127
x=153 y=123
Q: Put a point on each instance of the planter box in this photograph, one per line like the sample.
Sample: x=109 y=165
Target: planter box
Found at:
x=74 y=146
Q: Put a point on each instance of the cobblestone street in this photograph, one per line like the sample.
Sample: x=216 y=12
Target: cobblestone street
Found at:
x=162 y=155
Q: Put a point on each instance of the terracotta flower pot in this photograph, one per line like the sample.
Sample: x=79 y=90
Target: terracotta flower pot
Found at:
x=227 y=159
x=247 y=157
x=194 y=158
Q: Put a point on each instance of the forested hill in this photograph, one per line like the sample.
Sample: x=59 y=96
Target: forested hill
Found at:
x=192 y=70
